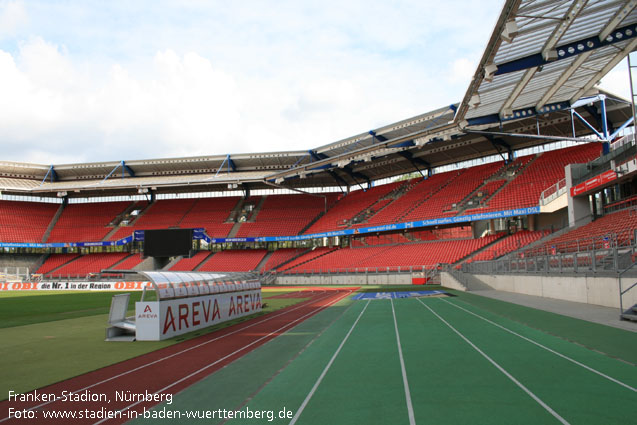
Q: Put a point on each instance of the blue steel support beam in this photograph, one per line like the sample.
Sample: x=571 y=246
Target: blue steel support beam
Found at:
x=356 y=175
x=231 y=166
x=417 y=161
x=127 y=169
x=519 y=113
x=51 y=172
x=605 y=144
x=621 y=127
x=338 y=179
x=317 y=156
x=497 y=142
x=587 y=124
x=569 y=50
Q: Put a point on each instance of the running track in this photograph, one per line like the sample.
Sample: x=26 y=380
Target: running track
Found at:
x=173 y=368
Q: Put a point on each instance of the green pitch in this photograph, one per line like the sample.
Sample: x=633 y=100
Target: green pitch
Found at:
x=39 y=329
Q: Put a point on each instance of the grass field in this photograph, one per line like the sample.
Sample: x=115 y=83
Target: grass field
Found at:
x=458 y=359
x=41 y=330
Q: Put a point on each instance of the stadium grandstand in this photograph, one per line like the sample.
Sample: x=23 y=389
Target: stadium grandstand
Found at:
x=533 y=171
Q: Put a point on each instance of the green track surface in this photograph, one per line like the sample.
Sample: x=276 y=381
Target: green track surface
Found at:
x=450 y=382
x=611 y=341
x=39 y=354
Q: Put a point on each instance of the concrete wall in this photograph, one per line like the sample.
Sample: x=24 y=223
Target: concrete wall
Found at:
x=602 y=291
x=350 y=280
x=556 y=220
x=447 y=280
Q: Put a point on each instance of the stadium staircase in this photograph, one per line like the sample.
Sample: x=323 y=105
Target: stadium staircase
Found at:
x=125 y=231
x=499 y=238
x=55 y=262
x=495 y=184
x=381 y=203
x=264 y=261
x=312 y=222
x=235 y=229
x=52 y=224
x=301 y=252
x=426 y=197
x=233 y=217
x=306 y=258
x=257 y=208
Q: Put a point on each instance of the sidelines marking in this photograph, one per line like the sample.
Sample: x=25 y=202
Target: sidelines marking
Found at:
x=410 y=407
x=545 y=347
x=287 y=325
x=500 y=368
x=267 y=318
x=327 y=367
x=289 y=362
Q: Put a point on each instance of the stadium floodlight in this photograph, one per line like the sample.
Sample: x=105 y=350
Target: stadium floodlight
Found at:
x=421 y=141
x=62 y=194
x=489 y=72
x=507 y=113
x=142 y=190
x=549 y=55
x=279 y=180
x=510 y=31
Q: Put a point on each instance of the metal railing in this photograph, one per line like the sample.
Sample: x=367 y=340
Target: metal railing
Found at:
x=622 y=291
x=429 y=274
x=611 y=260
x=553 y=192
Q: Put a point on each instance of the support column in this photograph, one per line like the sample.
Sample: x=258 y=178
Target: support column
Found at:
x=579 y=211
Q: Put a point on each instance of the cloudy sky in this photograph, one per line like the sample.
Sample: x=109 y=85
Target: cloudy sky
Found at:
x=84 y=80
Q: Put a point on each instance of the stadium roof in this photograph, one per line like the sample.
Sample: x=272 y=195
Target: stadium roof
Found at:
x=543 y=59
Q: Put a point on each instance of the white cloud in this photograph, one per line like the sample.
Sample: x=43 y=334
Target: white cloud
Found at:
x=104 y=81
x=617 y=81
x=13 y=16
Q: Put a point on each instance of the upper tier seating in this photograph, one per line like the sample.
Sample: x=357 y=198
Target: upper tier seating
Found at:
x=162 y=214
x=285 y=215
x=351 y=205
x=25 y=221
x=546 y=170
x=86 y=222
x=211 y=214
x=443 y=203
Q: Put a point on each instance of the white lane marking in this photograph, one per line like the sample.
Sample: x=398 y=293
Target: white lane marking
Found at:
x=500 y=368
x=545 y=347
x=410 y=407
x=287 y=325
x=327 y=367
x=265 y=319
